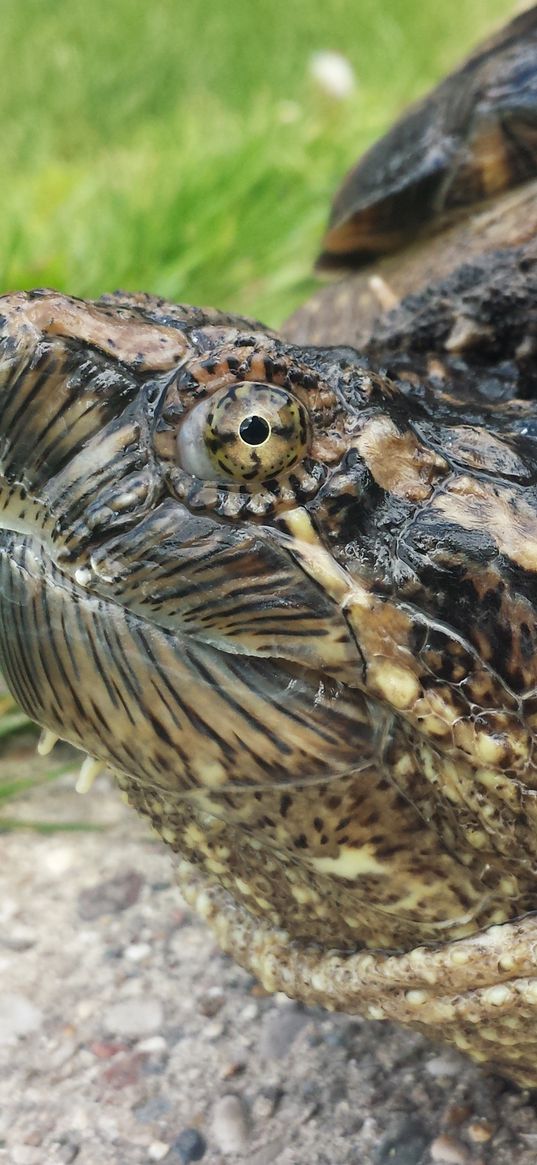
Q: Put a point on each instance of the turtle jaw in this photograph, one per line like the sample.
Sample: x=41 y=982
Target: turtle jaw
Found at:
x=175 y=716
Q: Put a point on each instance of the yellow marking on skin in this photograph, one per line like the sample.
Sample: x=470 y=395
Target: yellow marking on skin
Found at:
x=434 y=726
x=396 y=684
x=303 y=894
x=194 y=836
x=379 y=626
x=215 y=867
x=404 y=766
x=507 y=518
x=301 y=526
x=243 y=887
x=509 y=886
x=262 y=903
x=210 y=773
x=435 y=713
x=397 y=460
x=168 y=835
x=477 y=838
x=489 y=749
x=351 y=863
x=353 y=923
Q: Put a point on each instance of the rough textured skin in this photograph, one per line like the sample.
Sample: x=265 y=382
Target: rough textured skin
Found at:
x=320 y=686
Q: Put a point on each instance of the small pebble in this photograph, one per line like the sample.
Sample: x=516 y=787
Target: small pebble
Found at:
x=110 y=896
x=137 y=951
x=123 y=1071
x=230 y=1129
x=279 y=1029
x=134 y=1018
x=190 y=1146
x=233 y=1068
x=158 y=1150
x=447 y=1151
x=214 y=1030
x=445 y=1065
x=249 y=1012
x=151 y=1110
x=26 y=1155
x=59 y=858
x=211 y=1001
x=18 y=1017
x=405 y=1144
x=479 y=1132
x=152 y=1046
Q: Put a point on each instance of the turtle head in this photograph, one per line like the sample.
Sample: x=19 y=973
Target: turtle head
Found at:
x=165 y=504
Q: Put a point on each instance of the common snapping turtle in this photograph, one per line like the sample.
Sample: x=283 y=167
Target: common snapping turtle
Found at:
x=286 y=587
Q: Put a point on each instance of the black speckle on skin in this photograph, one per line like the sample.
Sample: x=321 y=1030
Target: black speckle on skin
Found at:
x=285 y=802
x=527 y=643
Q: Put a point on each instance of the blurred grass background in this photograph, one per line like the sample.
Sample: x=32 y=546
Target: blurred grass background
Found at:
x=182 y=147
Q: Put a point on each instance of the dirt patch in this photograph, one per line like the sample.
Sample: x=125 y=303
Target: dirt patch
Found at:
x=127 y=1037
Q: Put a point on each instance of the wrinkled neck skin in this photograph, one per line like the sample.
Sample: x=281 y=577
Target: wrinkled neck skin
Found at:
x=321 y=687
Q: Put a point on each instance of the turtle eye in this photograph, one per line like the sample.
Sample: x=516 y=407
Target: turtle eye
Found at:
x=248 y=431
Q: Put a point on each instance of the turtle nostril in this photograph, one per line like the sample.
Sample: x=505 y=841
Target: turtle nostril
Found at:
x=254 y=430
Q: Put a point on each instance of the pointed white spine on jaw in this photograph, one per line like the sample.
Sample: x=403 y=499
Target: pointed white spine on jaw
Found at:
x=89 y=770
x=46 y=742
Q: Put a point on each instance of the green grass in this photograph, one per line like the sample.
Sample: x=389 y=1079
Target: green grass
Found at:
x=180 y=146
x=150 y=145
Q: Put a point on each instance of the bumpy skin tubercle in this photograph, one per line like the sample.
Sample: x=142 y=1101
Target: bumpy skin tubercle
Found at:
x=478 y=994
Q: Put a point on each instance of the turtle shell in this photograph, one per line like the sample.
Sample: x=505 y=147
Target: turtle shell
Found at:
x=472 y=137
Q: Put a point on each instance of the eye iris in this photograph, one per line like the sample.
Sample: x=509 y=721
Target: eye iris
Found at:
x=254 y=430
x=249 y=431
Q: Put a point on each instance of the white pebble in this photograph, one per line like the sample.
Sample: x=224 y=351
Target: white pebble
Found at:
x=153 y=1045
x=18 y=1017
x=59 y=858
x=229 y=1124
x=447 y=1151
x=443 y=1065
x=133 y=1017
x=158 y=1150
x=137 y=951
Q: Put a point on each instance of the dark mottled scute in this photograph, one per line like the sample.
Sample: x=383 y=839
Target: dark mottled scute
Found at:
x=472 y=138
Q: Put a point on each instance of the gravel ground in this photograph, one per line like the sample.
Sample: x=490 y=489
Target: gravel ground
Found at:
x=127 y=1038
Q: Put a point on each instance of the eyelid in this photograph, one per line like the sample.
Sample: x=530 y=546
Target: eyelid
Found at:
x=191 y=449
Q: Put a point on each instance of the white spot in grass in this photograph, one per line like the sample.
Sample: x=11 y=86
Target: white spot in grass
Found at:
x=333 y=74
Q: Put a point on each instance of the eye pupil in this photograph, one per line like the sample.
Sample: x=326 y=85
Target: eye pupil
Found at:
x=254 y=430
